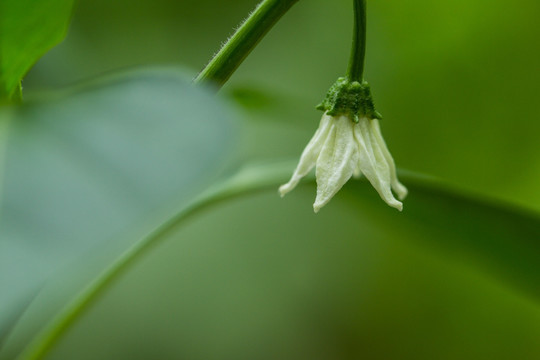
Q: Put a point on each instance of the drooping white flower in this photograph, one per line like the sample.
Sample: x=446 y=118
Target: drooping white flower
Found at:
x=343 y=147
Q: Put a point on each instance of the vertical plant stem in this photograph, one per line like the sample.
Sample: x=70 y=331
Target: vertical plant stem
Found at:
x=244 y=40
x=358 y=50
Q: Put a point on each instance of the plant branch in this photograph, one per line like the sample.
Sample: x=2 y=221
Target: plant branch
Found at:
x=243 y=41
x=247 y=180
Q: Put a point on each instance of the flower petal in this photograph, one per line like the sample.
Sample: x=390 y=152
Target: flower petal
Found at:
x=337 y=161
x=373 y=163
x=309 y=155
x=398 y=187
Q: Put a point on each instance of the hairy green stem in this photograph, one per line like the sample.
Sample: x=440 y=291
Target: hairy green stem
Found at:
x=358 y=51
x=244 y=40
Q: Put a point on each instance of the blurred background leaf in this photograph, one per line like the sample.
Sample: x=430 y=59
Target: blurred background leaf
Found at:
x=86 y=165
x=355 y=281
x=28 y=28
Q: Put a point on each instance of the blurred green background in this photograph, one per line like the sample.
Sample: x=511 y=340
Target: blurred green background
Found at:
x=457 y=83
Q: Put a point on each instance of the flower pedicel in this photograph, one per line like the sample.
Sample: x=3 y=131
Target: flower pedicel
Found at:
x=348 y=141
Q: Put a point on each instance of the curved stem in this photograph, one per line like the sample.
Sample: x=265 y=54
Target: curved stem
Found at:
x=246 y=180
x=358 y=50
x=244 y=40
x=256 y=178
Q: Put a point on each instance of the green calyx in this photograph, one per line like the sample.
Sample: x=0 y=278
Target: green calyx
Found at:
x=350 y=98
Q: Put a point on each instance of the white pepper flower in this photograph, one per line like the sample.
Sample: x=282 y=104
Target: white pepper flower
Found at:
x=348 y=143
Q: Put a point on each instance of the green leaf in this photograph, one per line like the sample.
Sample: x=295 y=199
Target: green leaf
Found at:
x=266 y=236
x=28 y=29
x=500 y=239
x=86 y=164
